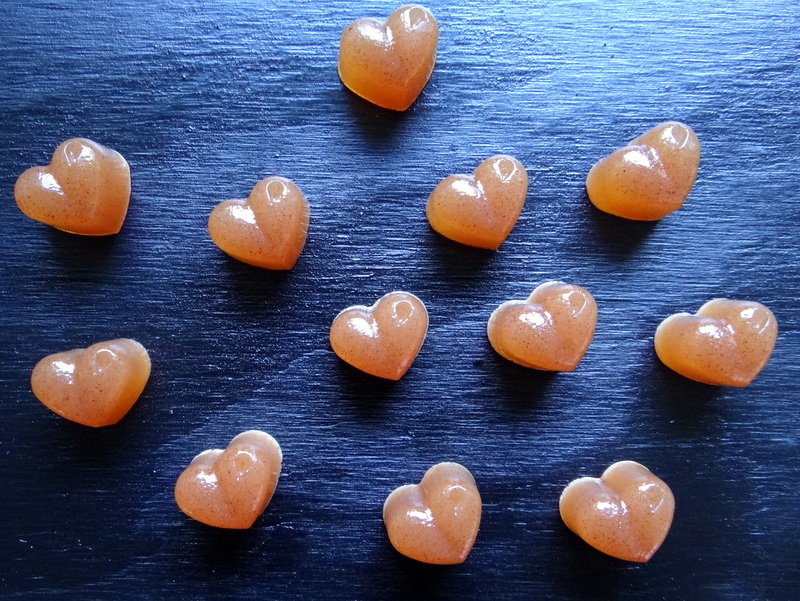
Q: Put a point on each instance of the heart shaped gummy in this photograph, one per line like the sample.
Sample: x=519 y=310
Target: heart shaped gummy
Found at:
x=480 y=209
x=650 y=177
x=231 y=488
x=85 y=189
x=726 y=343
x=626 y=513
x=437 y=520
x=268 y=229
x=382 y=340
x=390 y=63
x=95 y=386
x=551 y=330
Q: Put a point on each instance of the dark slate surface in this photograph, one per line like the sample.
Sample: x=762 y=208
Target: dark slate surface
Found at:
x=204 y=99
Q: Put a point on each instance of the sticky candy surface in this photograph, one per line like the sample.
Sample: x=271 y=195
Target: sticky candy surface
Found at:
x=268 y=229
x=650 y=177
x=95 y=386
x=390 y=63
x=551 y=330
x=726 y=343
x=480 y=209
x=84 y=190
x=626 y=513
x=384 y=339
x=230 y=488
x=437 y=520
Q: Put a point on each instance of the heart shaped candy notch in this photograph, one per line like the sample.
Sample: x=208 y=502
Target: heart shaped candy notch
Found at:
x=390 y=63
x=480 y=209
x=95 y=386
x=726 y=343
x=231 y=488
x=84 y=190
x=268 y=229
x=437 y=520
x=626 y=513
x=551 y=330
x=649 y=178
x=382 y=340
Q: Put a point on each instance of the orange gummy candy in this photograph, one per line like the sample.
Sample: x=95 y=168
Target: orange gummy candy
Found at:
x=382 y=340
x=231 y=488
x=551 y=330
x=84 y=190
x=626 y=513
x=437 y=520
x=726 y=343
x=268 y=229
x=390 y=63
x=650 y=177
x=95 y=386
x=482 y=208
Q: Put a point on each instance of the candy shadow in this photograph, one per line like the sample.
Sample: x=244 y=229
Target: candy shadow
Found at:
x=234 y=553
x=602 y=576
x=380 y=128
x=89 y=447
x=367 y=394
x=520 y=388
x=417 y=580
x=621 y=238
x=254 y=286
x=455 y=261
x=85 y=254
x=676 y=397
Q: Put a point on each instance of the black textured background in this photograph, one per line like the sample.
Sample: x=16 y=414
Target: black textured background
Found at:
x=204 y=98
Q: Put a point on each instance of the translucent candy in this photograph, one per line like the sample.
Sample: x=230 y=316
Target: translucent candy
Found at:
x=390 y=63
x=726 y=343
x=626 y=513
x=84 y=190
x=650 y=177
x=231 y=488
x=551 y=330
x=480 y=209
x=95 y=386
x=384 y=339
x=268 y=229
x=437 y=520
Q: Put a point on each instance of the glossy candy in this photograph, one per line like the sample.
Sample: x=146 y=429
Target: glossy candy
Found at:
x=437 y=520
x=230 y=488
x=384 y=339
x=650 y=177
x=268 y=229
x=551 y=330
x=390 y=63
x=84 y=190
x=726 y=343
x=626 y=513
x=482 y=208
x=95 y=386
